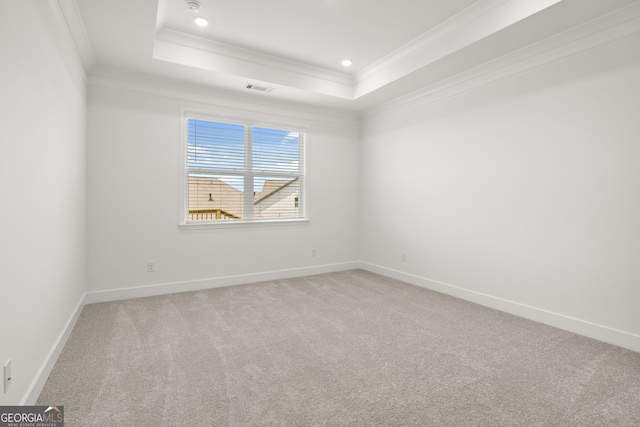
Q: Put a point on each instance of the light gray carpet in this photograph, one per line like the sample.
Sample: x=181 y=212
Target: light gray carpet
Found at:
x=350 y=348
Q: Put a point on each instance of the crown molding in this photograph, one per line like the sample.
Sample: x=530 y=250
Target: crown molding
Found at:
x=482 y=19
x=186 y=49
x=472 y=24
x=161 y=17
x=479 y=34
x=117 y=80
x=68 y=14
x=603 y=30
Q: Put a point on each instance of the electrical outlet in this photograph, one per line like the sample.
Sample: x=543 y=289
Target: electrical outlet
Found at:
x=403 y=257
x=151 y=267
x=7 y=375
x=314 y=252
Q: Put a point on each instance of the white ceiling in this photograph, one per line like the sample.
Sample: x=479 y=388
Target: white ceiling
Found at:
x=315 y=32
x=295 y=46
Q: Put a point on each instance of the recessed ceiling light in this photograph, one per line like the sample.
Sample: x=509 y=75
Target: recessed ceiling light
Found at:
x=346 y=62
x=201 y=21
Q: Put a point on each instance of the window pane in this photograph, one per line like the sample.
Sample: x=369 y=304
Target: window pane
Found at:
x=215 y=145
x=275 y=150
x=215 y=197
x=276 y=198
x=239 y=172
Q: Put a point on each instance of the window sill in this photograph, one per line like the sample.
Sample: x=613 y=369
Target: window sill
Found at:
x=196 y=225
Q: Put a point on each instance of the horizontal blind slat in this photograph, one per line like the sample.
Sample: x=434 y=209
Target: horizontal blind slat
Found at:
x=275 y=150
x=215 y=145
x=218 y=171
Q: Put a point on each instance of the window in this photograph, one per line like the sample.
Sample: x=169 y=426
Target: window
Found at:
x=240 y=172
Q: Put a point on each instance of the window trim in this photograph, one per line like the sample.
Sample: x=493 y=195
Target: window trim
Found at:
x=266 y=121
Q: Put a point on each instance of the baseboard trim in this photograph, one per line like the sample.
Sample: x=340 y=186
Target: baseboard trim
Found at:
x=599 y=332
x=216 y=282
x=581 y=327
x=40 y=379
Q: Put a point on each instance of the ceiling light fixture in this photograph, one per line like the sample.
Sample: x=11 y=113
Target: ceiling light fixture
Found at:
x=346 y=62
x=194 y=7
x=201 y=21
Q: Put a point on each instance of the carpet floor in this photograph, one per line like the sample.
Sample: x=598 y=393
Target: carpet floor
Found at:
x=341 y=349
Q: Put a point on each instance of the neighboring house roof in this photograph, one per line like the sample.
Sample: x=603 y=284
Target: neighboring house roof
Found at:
x=212 y=193
x=271 y=187
x=223 y=195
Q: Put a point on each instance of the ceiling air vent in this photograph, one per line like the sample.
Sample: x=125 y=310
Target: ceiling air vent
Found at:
x=259 y=88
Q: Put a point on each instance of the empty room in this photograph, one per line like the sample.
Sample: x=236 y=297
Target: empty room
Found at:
x=320 y=212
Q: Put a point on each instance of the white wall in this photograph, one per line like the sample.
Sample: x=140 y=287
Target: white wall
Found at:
x=134 y=157
x=523 y=195
x=42 y=181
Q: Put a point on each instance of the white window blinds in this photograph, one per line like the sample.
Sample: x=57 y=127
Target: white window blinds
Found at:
x=240 y=172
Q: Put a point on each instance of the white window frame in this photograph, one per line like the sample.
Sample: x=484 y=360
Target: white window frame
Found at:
x=185 y=222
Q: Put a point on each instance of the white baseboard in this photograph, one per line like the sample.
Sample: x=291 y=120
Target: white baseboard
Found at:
x=581 y=327
x=217 y=282
x=599 y=332
x=34 y=390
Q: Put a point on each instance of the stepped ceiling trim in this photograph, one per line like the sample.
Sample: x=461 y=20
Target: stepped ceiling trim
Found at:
x=481 y=20
x=471 y=37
